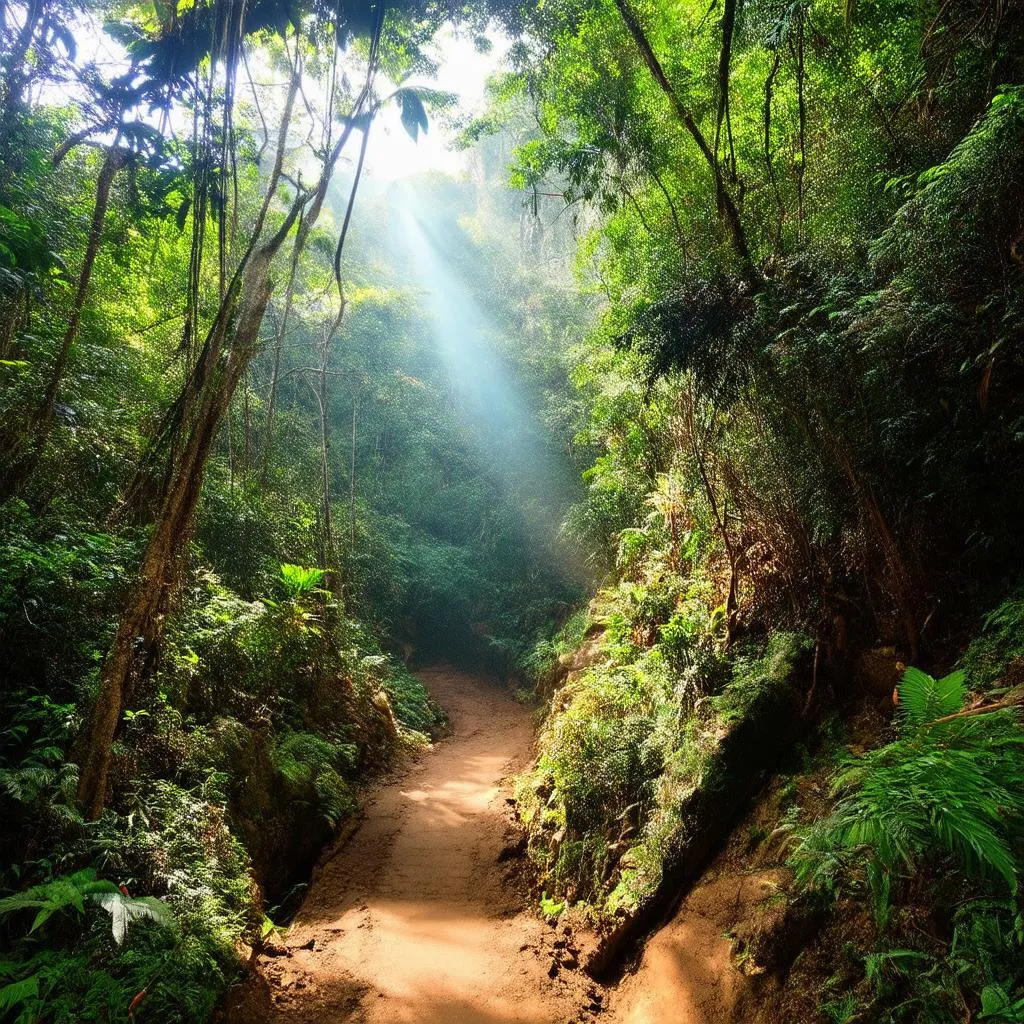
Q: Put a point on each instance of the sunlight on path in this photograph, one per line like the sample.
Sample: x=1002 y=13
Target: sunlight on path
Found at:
x=413 y=919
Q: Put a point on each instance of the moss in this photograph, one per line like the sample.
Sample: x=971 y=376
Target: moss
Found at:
x=997 y=653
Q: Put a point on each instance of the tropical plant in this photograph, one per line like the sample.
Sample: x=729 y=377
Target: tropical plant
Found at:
x=949 y=785
x=68 y=894
x=299 y=580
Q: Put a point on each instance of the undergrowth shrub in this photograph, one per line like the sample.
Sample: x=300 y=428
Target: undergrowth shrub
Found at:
x=313 y=770
x=948 y=786
x=60 y=583
x=38 y=785
x=543 y=657
x=630 y=738
x=413 y=706
x=93 y=950
x=981 y=962
x=997 y=653
x=937 y=815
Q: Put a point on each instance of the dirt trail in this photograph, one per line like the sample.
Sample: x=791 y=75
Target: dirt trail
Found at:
x=416 y=918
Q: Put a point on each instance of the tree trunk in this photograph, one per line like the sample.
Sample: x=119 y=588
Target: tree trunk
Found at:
x=309 y=218
x=352 y=479
x=724 y=62
x=225 y=357
x=13 y=84
x=721 y=521
x=187 y=435
x=23 y=454
x=728 y=214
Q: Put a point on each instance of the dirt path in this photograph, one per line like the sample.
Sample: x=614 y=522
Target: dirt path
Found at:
x=419 y=918
x=414 y=918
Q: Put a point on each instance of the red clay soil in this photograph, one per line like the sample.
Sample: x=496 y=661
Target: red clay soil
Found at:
x=417 y=918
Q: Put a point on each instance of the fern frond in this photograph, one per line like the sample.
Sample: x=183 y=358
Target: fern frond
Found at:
x=957 y=788
x=923 y=698
x=124 y=911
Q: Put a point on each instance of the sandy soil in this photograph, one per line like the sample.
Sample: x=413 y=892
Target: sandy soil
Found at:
x=419 y=916
x=686 y=973
x=415 y=918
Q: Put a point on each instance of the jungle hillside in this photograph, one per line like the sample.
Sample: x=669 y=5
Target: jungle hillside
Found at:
x=510 y=511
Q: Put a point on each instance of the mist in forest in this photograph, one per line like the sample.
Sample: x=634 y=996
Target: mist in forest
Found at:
x=432 y=256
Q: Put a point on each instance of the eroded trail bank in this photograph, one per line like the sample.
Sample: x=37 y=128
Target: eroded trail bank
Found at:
x=419 y=917
x=415 y=917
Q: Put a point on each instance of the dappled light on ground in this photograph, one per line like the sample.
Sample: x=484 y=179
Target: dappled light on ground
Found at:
x=413 y=919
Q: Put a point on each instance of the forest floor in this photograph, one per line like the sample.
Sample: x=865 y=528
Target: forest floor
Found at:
x=422 y=914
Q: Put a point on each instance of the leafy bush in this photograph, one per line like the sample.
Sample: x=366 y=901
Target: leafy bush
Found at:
x=543 y=657
x=413 y=706
x=999 y=645
x=312 y=767
x=947 y=785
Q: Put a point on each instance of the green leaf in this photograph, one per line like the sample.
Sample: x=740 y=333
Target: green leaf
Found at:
x=18 y=993
x=923 y=698
x=414 y=114
x=125 y=911
x=300 y=580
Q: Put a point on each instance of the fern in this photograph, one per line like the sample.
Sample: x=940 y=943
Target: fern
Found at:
x=61 y=894
x=299 y=580
x=923 y=699
x=312 y=767
x=70 y=893
x=955 y=787
x=124 y=911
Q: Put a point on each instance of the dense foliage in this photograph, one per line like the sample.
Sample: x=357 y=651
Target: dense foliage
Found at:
x=271 y=429
x=244 y=482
